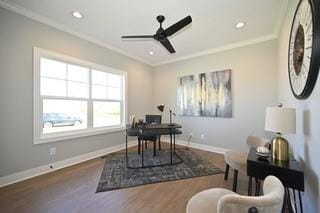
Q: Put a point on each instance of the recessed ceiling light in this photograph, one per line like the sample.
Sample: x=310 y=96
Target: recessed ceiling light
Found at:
x=151 y=53
x=240 y=25
x=77 y=14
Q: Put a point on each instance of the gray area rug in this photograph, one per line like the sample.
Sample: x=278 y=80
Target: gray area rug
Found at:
x=116 y=175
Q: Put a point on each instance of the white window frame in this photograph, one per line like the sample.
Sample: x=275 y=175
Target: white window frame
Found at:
x=38 y=136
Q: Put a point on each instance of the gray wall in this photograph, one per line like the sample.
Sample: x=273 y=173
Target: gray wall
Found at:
x=253 y=88
x=18 y=36
x=306 y=142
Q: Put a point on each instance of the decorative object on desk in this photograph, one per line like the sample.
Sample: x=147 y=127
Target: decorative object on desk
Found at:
x=282 y=121
x=304 y=48
x=263 y=152
x=132 y=120
x=205 y=94
x=116 y=175
x=171 y=113
x=140 y=120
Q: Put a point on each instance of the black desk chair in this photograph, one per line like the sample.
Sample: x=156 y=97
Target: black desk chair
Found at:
x=151 y=119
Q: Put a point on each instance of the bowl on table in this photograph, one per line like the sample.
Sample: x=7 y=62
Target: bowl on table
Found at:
x=263 y=152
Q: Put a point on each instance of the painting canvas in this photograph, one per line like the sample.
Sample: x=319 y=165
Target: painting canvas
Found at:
x=205 y=94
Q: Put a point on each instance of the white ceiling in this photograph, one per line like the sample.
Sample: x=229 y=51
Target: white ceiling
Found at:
x=212 y=27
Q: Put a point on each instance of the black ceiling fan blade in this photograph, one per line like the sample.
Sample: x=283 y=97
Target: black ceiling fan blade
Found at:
x=138 y=36
x=166 y=43
x=178 y=26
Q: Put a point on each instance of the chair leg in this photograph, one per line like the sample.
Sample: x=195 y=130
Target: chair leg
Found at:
x=250 y=186
x=154 y=147
x=139 y=146
x=159 y=144
x=226 y=172
x=145 y=144
x=235 y=179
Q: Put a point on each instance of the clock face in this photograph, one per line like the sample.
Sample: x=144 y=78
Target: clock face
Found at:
x=302 y=72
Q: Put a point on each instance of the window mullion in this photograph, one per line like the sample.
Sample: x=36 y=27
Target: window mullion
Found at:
x=41 y=116
x=90 y=102
x=67 y=81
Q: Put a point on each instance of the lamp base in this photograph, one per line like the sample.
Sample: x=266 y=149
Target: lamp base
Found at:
x=280 y=148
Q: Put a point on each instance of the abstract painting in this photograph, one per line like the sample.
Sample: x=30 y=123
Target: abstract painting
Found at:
x=205 y=94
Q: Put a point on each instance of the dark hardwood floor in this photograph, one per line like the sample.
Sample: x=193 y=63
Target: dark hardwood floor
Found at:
x=73 y=190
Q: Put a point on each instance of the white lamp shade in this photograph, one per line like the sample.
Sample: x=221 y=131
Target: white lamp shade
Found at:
x=282 y=120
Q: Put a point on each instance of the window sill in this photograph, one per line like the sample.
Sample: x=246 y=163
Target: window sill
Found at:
x=76 y=134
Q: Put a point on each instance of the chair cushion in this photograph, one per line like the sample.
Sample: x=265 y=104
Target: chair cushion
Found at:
x=206 y=201
x=237 y=160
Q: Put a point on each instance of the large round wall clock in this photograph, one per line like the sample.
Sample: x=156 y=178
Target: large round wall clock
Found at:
x=304 y=48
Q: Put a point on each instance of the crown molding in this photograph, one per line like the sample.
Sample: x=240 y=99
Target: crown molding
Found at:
x=29 y=14
x=221 y=49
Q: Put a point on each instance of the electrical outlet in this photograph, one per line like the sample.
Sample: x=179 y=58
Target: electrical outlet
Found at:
x=202 y=136
x=53 y=151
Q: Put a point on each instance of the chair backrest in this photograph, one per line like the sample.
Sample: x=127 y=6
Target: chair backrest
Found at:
x=255 y=141
x=153 y=119
x=270 y=202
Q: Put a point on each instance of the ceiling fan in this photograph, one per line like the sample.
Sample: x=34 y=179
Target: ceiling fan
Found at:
x=163 y=34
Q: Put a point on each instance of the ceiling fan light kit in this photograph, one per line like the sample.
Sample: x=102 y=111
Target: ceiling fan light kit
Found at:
x=162 y=34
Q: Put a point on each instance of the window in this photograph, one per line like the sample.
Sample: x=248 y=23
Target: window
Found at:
x=74 y=98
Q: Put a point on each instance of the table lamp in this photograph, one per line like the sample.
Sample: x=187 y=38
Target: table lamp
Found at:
x=160 y=107
x=282 y=121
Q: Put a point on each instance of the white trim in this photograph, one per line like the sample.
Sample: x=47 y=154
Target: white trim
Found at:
x=221 y=49
x=204 y=147
x=75 y=134
x=28 y=13
x=44 y=169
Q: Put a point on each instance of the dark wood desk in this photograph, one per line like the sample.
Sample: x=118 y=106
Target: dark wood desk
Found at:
x=289 y=173
x=147 y=130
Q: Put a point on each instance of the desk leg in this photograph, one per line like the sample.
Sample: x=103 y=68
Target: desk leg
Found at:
x=284 y=201
x=174 y=143
x=300 y=202
x=127 y=149
x=295 y=200
x=250 y=186
x=142 y=148
x=257 y=187
x=171 y=148
x=289 y=206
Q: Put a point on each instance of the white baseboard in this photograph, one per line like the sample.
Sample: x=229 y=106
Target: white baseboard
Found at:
x=198 y=146
x=26 y=174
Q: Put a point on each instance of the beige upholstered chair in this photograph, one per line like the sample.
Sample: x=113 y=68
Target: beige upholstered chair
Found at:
x=225 y=201
x=238 y=160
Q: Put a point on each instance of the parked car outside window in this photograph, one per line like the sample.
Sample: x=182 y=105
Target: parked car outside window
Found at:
x=59 y=119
